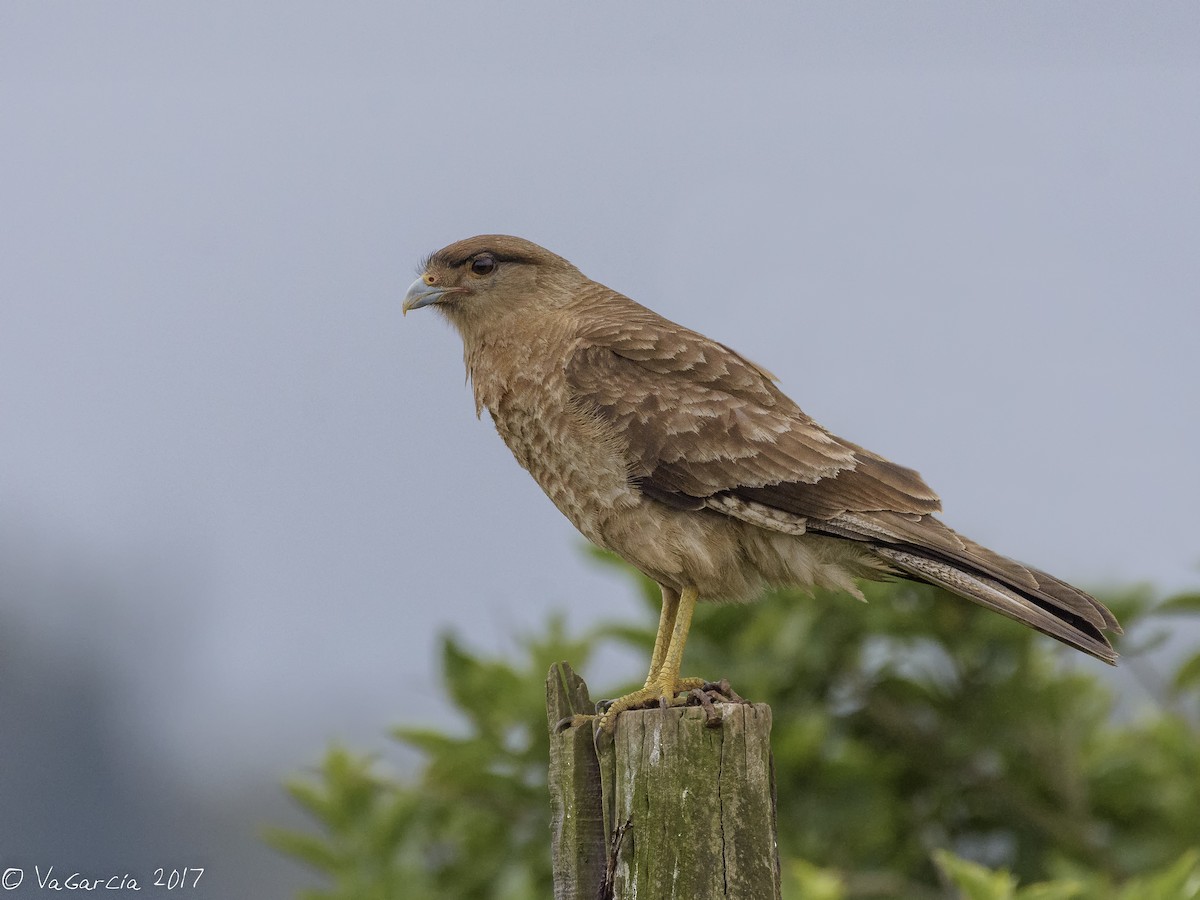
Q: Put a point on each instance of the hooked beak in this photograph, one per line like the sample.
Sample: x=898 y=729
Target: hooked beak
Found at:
x=422 y=293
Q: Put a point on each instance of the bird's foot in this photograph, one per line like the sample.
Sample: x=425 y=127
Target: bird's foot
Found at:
x=655 y=693
x=694 y=691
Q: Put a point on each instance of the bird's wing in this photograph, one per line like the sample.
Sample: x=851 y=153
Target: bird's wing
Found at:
x=703 y=426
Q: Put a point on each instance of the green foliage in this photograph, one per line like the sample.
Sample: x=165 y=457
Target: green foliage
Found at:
x=1180 y=881
x=921 y=745
x=971 y=881
x=473 y=824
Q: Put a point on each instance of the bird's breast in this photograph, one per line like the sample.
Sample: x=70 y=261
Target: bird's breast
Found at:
x=581 y=468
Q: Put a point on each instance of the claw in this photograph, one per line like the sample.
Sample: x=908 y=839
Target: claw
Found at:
x=571 y=722
x=653 y=694
x=722 y=690
x=712 y=718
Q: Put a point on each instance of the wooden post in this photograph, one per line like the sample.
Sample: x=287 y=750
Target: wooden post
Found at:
x=578 y=848
x=687 y=810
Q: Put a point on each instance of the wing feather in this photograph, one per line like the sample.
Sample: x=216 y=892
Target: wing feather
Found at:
x=699 y=421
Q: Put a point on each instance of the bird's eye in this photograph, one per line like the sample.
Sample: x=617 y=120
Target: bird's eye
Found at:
x=483 y=264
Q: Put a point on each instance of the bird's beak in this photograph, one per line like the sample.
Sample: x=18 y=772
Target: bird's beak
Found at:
x=421 y=293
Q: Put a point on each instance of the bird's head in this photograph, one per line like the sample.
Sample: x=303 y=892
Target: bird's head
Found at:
x=492 y=275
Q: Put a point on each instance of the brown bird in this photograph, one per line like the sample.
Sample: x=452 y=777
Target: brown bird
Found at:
x=684 y=458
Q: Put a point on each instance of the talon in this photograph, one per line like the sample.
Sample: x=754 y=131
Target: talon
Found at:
x=723 y=690
x=712 y=718
x=731 y=693
x=571 y=722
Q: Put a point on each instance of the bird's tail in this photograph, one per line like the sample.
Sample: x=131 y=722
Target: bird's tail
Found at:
x=1012 y=589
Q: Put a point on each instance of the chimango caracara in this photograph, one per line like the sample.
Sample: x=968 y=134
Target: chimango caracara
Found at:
x=686 y=460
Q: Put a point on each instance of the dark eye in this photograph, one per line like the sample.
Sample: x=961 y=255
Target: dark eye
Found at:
x=483 y=264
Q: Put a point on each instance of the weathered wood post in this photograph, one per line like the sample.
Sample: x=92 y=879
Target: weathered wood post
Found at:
x=668 y=807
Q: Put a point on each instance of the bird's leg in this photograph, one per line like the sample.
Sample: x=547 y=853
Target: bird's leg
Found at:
x=666 y=625
x=667 y=678
x=663 y=682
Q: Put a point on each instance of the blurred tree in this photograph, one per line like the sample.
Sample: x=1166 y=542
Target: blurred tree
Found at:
x=917 y=739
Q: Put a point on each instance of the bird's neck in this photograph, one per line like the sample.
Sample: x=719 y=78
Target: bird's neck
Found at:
x=506 y=357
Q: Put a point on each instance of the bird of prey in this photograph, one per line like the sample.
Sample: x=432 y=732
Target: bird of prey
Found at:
x=683 y=458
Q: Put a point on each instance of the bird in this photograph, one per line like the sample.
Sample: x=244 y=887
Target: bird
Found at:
x=685 y=459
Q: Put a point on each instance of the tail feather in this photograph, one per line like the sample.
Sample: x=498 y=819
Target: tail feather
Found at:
x=1038 y=585
x=1053 y=607
x=925 y=549
x=1070 y=595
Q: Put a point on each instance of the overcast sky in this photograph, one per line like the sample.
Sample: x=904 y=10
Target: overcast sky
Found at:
x=965 y=236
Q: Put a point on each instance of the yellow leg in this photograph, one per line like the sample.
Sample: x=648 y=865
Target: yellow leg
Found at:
x=664 y=682
x=666 y=626
x=668 y=675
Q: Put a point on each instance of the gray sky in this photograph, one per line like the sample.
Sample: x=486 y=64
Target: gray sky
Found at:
x=965 y=237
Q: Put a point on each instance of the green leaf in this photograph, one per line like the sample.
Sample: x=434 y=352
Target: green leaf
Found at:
x=1181 y=881
x=307 y=848
x=312 y=797
x=804 y=880
x=1188 y=675
x=975 y=881
x=1180 y=603
x=1070 y=889
x=425 y=739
